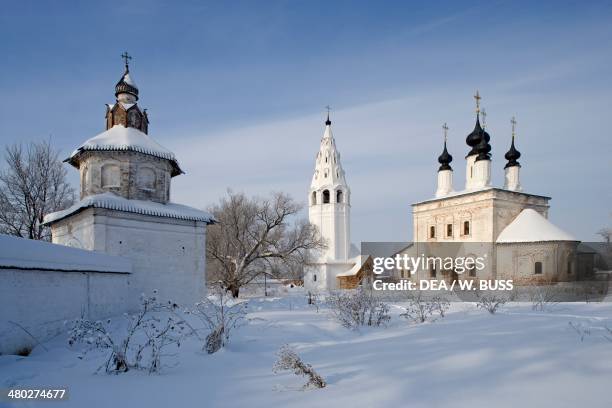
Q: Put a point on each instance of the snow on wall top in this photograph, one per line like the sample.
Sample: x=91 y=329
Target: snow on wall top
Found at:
x=125 y=138
x=531 y=226
x=111 y=201
x=21 y=253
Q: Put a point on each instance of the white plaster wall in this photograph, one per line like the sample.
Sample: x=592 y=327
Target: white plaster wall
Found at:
x=326 y=275
x=41 y=301
x=167 y=254
x=333 y=222
x=516 y=261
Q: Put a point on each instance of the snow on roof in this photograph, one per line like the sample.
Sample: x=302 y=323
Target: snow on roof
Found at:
x=128 y=80
x=358 y=264
x=474 y=191
x=531 y=226
x=111 y=201
x=125 y=138
x=21 y=253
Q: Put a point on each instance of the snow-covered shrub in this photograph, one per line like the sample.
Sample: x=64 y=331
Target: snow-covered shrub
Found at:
x=420 y=309
x=149 y=331
x=543 y=297
x=358 y=308
x=288 y=360
x=221 y=314
x=490 y=302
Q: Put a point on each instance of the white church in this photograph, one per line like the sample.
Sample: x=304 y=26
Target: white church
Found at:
x=507 y=225
x=123 y=238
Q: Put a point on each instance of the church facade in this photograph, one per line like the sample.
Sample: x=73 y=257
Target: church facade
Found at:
x=125 y=207
x=506 y=225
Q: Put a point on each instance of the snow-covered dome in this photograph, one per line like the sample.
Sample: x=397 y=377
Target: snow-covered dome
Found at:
x=120 y=138
x=531 y=226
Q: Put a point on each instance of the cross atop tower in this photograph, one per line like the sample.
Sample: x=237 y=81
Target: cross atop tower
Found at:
x=445 y=127
x=513 y=121
x=478 y=98
x=126 y=57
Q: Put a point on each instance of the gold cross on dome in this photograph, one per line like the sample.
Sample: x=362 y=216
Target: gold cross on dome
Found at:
x=445 y=127
x=328 y=108
x=513 y=121
x=126 y=57
x=478 y=98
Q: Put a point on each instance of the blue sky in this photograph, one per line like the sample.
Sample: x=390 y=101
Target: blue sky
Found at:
x=237 y=90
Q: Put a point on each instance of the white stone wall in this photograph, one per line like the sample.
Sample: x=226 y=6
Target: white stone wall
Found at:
x=167 y=254
x=326 y=274
x=333 y=222
x=488 y=212
x=41 y=301
x=517 y=261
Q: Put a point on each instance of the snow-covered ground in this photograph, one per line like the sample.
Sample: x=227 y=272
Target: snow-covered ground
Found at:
x=515 y=358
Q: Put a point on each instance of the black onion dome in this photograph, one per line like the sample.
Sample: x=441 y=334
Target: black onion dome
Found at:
x=126 y=85
x=512 y=156
x=444 y=159
x=483 y=149
x=473 y=139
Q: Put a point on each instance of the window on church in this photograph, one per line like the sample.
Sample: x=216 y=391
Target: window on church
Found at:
x=110 y=175
x=432 y=232
x=325 y=196
x=466 y=228
x=146 y=178
x=314 y=278
x=432 y=271
x=339 y=196
x=537 y=269
x=314 y=197
x=471 y=171
x=449 y=230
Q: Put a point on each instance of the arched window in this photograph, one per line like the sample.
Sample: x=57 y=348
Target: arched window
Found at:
x=466 y=228
x=325 y=196
x=339 y=196
x=432 y=231
x=146 y=178
x=110 y=175
x=537 y=268
x=314 y=197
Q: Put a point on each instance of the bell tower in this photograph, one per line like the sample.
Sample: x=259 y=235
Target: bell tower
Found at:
x=330 y=200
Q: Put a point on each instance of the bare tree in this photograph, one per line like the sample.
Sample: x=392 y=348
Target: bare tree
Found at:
x=254 y=236
x=606 y=234
x=32 y=184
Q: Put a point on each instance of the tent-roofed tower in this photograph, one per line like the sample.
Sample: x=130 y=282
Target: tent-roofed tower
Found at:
x=329 y=206
x=329 y=203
